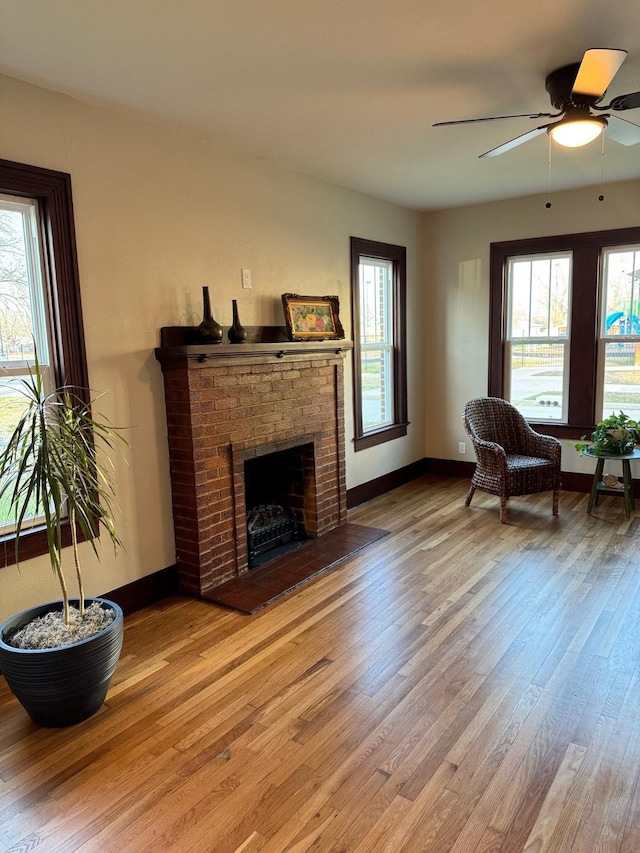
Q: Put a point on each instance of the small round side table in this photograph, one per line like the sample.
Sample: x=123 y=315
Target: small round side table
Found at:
x=627 y=482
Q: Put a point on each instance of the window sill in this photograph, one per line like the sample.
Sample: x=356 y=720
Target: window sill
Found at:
x=564 y=431
x=371 y=439
x=33 y=543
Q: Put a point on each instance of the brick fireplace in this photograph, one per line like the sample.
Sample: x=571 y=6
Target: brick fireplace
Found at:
x=229 y=404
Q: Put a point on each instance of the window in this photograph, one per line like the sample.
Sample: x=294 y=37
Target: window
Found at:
x=378 y=301
x=565 y=328
x=619 y=366
x=39 y=301
x=537 y=340
x=22 y=316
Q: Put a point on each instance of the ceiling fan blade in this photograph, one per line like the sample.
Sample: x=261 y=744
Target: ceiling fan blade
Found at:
x=494 y=118
x=622 y=131
x=625 y=102
x=598 y=68
x=513 y=143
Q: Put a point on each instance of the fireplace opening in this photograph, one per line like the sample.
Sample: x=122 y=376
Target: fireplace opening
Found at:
x=276 y=488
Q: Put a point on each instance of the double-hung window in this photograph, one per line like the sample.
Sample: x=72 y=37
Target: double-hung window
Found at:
x=23 y=319
x=39 y=307
x=537 y=341
x=565 y=328
x=378 y=273
x=619 y=363
x=376 y=341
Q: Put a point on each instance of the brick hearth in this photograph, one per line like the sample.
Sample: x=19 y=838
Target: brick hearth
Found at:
x=228 y=403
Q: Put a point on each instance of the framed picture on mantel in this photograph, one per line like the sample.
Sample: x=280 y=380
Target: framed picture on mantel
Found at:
x=312 y=318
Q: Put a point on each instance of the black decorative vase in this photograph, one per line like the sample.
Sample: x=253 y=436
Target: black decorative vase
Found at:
x=237 y=333
x=209 y=330
x=65 y=685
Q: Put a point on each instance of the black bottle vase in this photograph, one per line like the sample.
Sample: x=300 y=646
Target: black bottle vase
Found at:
x=209 y=330
x=237 y=333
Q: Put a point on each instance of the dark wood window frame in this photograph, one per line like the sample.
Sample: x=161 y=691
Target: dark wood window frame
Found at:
x=397 y=255
x=52 y=190
x=586 y=251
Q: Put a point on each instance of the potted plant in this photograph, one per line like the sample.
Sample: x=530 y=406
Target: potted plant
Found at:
x=616 y=434
x=58 y=658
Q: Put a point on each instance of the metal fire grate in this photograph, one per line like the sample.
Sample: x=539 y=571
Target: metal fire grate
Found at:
x=268 y=525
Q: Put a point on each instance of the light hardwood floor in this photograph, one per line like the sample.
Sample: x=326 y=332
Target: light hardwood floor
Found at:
x=460 y=685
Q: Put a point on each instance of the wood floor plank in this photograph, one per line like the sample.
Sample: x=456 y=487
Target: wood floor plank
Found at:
x=554 y=803
x=458 y=686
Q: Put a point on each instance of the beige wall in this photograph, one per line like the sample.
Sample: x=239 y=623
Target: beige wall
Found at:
x=457 y=272
x=159 y=213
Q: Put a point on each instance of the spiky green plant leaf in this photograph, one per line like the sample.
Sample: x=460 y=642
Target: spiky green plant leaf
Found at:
x=50 y=467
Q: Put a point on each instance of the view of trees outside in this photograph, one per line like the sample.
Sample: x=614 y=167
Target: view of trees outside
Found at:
x=15 y=303
x=376 y=342
x=621 y=316
x=18 y=254
x=539 y=291
x=15 y=312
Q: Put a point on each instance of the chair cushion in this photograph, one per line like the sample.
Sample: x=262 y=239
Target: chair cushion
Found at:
x=516 y=461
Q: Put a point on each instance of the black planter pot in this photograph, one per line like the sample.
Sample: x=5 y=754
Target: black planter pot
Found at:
x=62 y=686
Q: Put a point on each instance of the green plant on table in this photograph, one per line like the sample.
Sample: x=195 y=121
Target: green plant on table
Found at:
x=615 y=434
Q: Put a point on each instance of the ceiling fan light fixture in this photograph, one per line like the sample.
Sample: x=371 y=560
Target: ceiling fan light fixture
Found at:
x=576 y=132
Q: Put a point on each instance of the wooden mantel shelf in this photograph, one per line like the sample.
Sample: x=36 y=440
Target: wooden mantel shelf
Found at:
x=172 y=351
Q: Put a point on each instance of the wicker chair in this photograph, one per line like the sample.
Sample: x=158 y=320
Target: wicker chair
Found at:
x=512 y=459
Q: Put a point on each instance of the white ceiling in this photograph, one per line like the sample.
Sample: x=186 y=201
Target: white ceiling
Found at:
x=346 y=90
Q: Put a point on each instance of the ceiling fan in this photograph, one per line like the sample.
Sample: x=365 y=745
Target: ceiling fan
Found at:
x=576 y=91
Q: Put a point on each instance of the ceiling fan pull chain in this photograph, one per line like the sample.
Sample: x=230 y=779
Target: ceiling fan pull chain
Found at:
x=548 y=204
x=601 y=196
